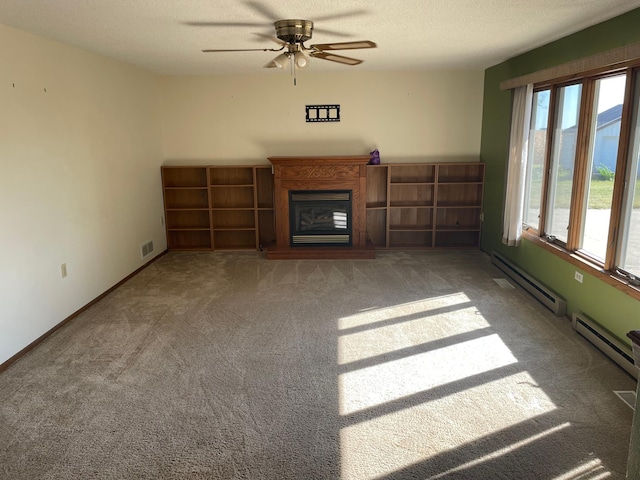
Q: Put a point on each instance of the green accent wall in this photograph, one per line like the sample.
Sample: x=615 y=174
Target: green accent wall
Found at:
x=613 y=309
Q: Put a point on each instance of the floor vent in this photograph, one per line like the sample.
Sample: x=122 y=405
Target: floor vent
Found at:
x=614 y=349
x=628 y=397
x=146 y=249
x=546 y=296
x=503 y=283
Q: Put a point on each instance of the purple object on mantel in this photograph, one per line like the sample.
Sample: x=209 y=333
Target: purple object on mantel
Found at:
x=375 y=157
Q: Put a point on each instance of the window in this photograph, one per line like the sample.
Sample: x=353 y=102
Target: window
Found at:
x=628 y=258
x=536 y=156
x=563 y=156
x=582 y=188
x=601 y=165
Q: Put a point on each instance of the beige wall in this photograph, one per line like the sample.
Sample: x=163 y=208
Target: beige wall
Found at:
x=79 y=180
x=408 y=116
x=83 y=137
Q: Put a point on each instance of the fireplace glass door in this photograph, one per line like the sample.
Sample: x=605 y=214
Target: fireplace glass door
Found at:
x=320 y=217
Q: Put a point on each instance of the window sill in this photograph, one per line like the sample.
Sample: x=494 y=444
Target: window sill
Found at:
x=580 y=262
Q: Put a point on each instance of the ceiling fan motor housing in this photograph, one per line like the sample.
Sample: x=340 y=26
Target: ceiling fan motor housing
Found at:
x=294 y=31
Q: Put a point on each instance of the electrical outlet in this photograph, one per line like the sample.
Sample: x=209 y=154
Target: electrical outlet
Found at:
x=578 y=276
x=63 y=270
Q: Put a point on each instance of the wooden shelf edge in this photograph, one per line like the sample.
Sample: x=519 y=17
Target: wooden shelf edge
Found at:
x=218 y=209
x=427 y=183
x=231 y=185
x=187 y=209
x=455 y=229
x=411 y=206
x=194 y=229
x=234 y=229
x=409 y=247
x=410 y=228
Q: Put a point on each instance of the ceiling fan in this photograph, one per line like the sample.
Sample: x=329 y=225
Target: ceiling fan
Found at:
x=290 y=36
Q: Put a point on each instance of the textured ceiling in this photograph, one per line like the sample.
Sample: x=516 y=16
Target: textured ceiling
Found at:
x=411 y=34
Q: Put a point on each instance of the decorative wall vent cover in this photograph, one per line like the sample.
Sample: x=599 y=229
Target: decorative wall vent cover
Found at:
x=323 y=113
x=146 y=249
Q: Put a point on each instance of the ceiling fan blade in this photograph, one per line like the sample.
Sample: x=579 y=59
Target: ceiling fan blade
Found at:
x=264 y=11
x=271 y=38
x=243 y=50
x=224 y=24
x=344 y=45
x=333 y=33
x=335 y=58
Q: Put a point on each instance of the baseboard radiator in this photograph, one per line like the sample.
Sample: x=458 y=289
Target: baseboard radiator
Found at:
x=605 y=342
x=545 y=295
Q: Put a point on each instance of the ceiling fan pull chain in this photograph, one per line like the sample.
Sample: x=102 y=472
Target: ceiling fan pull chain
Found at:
x=293 y=69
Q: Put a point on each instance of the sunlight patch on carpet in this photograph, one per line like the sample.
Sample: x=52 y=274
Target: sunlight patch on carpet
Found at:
x=370 y=315
x=390 y=380
x=484 y=422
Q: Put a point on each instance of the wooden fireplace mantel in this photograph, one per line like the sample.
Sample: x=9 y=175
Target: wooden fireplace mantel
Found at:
x=320 y=173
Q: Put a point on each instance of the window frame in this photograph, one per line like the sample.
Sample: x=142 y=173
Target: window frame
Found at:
x=607 y=269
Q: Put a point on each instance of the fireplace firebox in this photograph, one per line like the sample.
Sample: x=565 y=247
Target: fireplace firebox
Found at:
x=314 y=228
x=320 y=217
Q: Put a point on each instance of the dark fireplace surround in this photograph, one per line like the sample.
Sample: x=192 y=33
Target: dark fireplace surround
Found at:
x=319 y=218
x=330 y=175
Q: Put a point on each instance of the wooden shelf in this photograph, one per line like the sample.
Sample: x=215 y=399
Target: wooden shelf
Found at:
x=181 y=219
x=425 y=205
x=184 y=177
x=412 y=173
x=377 y=227
x=460 y=172
x=411 y=195
x=377 y=186
x=218 y=207
x=234 y=219
x=231 y=176
x=431 y=205
x=180 y=198
x=464 y=239
x=189 y=240
x=410 y=239
x=243 y=239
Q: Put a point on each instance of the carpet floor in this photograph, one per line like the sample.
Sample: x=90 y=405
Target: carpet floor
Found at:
x=226 y=365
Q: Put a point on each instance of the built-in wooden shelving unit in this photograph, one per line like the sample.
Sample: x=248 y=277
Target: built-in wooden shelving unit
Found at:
x=425 y=205
x=217 y=208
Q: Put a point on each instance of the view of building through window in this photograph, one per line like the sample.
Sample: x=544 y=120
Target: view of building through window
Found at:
x=584 y=156
x=603 y=154
x=563 y=157
x=629 y=250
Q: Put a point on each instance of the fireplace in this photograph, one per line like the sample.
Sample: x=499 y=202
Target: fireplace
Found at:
x=329 y=194
x=320 y=217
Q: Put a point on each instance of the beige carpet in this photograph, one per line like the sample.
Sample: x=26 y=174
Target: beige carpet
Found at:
x=229 y=366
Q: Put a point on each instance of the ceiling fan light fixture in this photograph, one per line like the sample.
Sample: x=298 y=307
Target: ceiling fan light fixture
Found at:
x=301 y=59
x=281 y=60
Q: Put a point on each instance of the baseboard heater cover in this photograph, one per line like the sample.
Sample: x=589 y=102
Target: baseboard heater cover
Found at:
x=542 y=293
x=606 y=343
